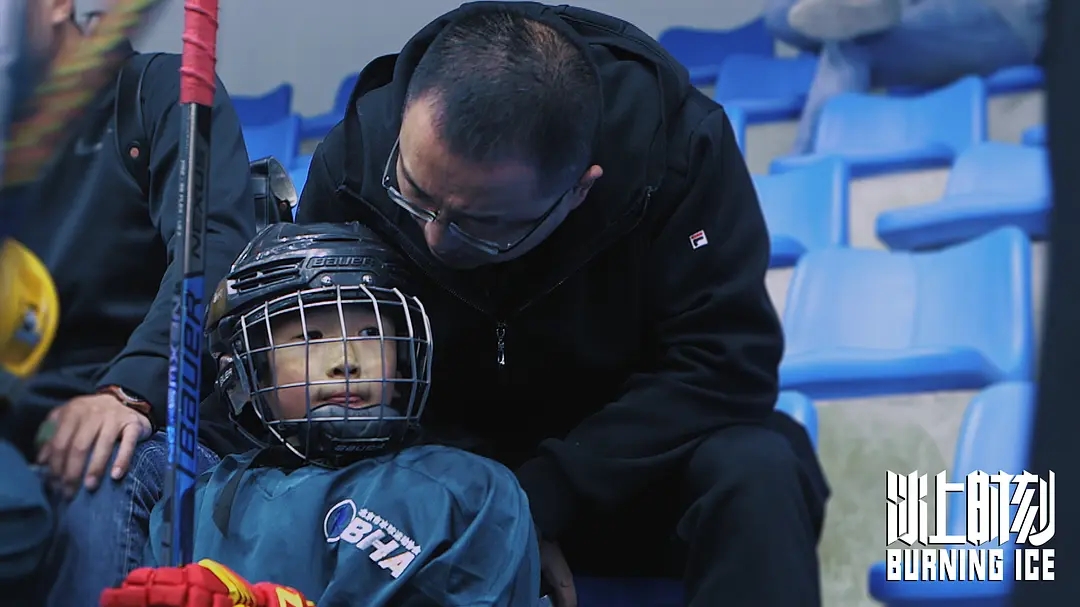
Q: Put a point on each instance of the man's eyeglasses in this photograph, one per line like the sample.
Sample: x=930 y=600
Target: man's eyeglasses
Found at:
x=491 y=247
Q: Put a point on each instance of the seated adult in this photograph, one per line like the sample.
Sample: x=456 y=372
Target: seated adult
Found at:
x=101 y=392
x=867 y=44
x=25 y=513
x=593 y=256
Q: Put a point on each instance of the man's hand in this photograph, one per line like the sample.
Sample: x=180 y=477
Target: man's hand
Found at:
x=205 y=584
x=86 y=429
x=556 y=573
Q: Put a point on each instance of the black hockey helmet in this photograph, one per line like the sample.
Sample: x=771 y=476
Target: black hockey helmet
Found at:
x=320 y=347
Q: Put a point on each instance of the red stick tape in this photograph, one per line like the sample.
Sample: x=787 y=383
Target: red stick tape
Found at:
x=200 y=52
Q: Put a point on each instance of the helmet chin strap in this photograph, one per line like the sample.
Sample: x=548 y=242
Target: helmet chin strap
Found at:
x=327 y=435
x=368 y=422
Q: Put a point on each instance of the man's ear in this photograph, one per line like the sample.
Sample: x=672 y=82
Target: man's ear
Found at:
x=581 y=190
x=60 y=11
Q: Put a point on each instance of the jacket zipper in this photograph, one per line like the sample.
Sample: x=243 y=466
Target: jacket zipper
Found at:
x=596 y=251
x=501 y=325
x=416 y=261
x=500 y=344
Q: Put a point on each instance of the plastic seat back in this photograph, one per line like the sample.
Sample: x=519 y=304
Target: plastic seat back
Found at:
x=995 y=436
x=702 y=51
x=757 y=77
x=1001 y=170
x=972 y=297
x=808 y=205
x=268 y=108
x=953 y=117
x=278 y=139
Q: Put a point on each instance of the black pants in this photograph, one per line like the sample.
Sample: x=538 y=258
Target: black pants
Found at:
x=740 y=525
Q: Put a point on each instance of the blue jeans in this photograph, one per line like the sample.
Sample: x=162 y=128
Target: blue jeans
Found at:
x=100 y=536
x=25 y=518
x=936 y=42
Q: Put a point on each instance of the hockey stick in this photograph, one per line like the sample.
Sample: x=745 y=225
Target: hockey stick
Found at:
x=185 y=361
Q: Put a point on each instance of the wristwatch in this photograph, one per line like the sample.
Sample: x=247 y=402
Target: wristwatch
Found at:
x=128 y=399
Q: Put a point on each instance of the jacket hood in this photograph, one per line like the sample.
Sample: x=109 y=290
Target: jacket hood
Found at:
x=642 y=84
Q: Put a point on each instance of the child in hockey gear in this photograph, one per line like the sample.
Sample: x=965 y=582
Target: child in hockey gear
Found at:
x=325 y=360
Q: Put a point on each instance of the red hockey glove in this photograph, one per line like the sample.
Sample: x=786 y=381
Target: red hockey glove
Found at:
x=205 y=584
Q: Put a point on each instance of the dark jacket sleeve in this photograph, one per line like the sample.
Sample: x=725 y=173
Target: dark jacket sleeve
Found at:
x=718 y=336
x=142 y=367
x=318 y=201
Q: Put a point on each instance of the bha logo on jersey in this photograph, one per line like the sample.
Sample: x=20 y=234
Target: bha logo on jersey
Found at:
x=989 y=527
x=384 y=543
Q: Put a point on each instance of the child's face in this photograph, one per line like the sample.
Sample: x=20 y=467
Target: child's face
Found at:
x=370 y=361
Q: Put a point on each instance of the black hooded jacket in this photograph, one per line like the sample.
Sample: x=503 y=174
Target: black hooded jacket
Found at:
x=624 y=344
x=107 y=245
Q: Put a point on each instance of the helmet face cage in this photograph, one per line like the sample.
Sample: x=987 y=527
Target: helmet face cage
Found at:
x=334 y=373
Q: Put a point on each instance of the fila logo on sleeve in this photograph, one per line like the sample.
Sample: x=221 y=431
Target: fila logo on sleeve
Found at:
x=698 y=239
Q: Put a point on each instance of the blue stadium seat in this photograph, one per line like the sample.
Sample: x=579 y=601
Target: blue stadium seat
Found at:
x=737 y=118
x=991 y=185
x=703 y=51
x=877 y=134
x=1017 y=79
x=301 y=162
x=278 y=139
x=802 y=410
x=805 y=209
x=267 y=108
x=863 y=322
x=768 y=89
x=1035 y=135
x=316 y=127
x=994 y=436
